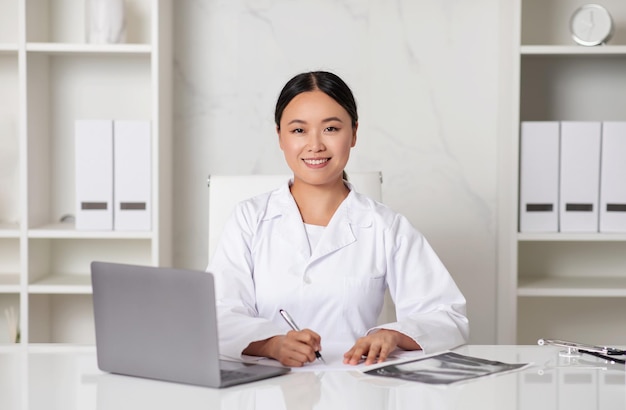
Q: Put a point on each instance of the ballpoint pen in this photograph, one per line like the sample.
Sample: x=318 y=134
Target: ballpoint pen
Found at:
x=295 y=327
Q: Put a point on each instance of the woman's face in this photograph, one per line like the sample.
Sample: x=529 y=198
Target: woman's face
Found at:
x=316 y=135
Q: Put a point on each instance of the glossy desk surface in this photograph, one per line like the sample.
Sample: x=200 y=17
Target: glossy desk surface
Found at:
x=66 y=377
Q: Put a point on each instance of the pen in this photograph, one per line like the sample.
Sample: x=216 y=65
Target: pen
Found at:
x=295 y=327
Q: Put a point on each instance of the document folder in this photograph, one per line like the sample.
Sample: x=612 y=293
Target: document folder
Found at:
x=93 y=158
x=539 y=176
x=133 y=176
x=613 y=178
x=580 y=176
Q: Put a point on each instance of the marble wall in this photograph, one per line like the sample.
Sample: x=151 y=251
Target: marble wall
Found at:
x=425 y=75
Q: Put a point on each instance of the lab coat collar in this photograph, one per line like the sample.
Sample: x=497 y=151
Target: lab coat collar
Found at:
x=355 y=211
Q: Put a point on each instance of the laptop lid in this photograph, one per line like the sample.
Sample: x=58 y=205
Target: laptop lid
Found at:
x=160 y=323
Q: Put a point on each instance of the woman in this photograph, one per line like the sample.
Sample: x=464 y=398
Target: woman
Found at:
x=325 y=253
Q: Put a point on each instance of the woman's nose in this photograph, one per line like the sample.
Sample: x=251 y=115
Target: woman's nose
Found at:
x=315 y=142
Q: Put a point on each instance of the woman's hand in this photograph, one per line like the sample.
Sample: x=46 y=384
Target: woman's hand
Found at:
x=376 y=347
x=293 y=349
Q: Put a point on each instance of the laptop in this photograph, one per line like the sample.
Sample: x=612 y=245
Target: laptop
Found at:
x=161 y=323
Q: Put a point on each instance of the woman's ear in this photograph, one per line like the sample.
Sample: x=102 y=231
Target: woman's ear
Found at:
x=354 y=128
x=280 y=141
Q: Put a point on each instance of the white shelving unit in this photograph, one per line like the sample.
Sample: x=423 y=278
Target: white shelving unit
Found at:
x=49 y=77
x=566 y=286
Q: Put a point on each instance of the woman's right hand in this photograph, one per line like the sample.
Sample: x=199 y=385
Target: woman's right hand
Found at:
x=293 y=349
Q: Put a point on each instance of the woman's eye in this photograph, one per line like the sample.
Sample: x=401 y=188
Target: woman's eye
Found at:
x=331 y=129
x=297 y=131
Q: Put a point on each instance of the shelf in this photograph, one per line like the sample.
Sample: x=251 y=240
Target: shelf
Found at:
x=573 y=88
x=552 y=283
x=566 y=237
x=9 y=230
x=13 y=347
x=8 y=48
x=50 y=77
x=9 y=283
x=90 y=49
x=572 y=50
x=68 y=231
x=62 y=284
x=542 y=286
x=66 y=21
x=45 y=348
x=9 y=289
x=592 y=319
x=60 y=318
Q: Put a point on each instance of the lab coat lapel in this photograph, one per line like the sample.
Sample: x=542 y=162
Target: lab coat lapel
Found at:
x=292 y=231
x=337 y=234
x=340 y=231
x=289 y=227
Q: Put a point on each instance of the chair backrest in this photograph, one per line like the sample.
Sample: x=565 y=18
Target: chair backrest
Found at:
x=225 y=191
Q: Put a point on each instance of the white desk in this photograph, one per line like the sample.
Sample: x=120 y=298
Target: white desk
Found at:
x=50 y=378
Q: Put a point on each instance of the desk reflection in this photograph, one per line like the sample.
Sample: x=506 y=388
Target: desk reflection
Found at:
x=551 y=382
x=298 y=390
x=578 y=382
x=70 y=380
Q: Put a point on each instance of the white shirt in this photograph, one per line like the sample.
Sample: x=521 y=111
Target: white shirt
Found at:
x=313 y=234
x=264 y=263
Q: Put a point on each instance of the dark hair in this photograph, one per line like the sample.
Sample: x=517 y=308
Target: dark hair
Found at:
x=328 y=83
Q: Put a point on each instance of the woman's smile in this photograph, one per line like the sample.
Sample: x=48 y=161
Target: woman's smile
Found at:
x=316 y=162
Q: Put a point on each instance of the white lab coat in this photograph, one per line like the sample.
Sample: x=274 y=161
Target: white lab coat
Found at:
x=263 y=263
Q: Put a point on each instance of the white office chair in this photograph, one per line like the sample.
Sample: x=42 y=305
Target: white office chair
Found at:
x=225 y=191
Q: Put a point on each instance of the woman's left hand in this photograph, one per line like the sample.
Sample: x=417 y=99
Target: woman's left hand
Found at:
x=376 y=347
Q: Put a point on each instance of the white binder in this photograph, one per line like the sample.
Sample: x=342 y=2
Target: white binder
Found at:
x=93 y=159
x=133 y=177
x=580 y=176
x=539 y=176
x=613 y=178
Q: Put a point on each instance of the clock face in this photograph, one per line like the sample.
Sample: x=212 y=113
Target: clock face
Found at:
x=591 y=25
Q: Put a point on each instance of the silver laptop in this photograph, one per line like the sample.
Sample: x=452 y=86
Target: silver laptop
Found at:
x=160 y=323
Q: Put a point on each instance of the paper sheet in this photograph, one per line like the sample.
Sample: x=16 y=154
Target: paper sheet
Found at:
x=333 y=357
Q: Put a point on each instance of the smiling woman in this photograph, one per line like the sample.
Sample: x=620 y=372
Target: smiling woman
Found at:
x=322 y=251
x=335 y=97
x=316 y=134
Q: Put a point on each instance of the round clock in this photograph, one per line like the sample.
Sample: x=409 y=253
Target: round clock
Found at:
x=591 y=25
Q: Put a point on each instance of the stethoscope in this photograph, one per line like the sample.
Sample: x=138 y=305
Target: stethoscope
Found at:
x=603 y=352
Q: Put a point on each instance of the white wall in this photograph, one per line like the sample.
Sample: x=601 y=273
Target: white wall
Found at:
x=425 y=75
